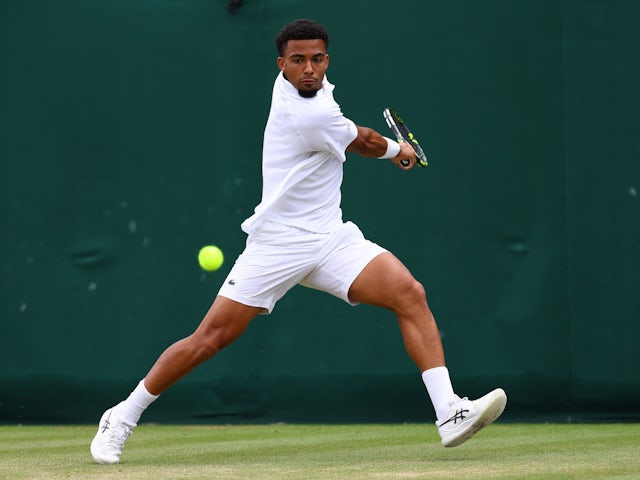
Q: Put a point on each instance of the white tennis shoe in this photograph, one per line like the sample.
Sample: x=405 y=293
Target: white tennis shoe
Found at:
x=108 y=443
x=466 y=417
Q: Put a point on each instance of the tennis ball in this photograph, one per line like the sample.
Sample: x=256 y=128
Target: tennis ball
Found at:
x=210 y=258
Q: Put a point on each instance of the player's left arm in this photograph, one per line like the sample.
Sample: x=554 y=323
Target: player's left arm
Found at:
x=371 y=144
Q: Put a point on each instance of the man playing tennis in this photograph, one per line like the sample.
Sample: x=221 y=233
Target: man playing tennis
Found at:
x=297 y=236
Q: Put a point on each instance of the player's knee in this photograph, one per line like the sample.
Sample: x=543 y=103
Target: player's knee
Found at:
x=207 y=344
x=411 y=294
x=417 y=292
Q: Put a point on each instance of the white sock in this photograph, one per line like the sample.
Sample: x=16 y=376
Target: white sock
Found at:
x=440 y=390
x=136 y=403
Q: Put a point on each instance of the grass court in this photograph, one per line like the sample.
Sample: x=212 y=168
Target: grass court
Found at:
x=284 y=451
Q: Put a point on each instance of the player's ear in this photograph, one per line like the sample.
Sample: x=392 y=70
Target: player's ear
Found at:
x=281 y=63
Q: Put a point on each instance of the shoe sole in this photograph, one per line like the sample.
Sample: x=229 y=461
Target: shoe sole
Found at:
x=497 y=402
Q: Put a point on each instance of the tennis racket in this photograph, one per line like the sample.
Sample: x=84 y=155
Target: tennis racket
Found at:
x=403 y=134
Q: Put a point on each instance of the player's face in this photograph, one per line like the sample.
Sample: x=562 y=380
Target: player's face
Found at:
x=303 y=64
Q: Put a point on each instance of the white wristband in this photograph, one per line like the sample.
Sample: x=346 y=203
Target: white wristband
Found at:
x=393 y=148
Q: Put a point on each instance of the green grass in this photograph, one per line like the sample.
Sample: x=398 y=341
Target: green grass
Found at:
x=503 y=451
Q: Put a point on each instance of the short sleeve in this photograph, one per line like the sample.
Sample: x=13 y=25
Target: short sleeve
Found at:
x=324 y=128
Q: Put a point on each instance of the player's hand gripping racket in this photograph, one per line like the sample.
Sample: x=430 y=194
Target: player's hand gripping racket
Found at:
x=403 y=134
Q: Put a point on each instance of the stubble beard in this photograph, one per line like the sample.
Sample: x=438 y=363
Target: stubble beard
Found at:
x=308 y=93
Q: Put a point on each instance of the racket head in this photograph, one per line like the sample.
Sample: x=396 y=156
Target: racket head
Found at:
x=403 y=134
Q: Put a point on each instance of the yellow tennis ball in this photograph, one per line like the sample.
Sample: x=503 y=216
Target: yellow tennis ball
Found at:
x=210 y=258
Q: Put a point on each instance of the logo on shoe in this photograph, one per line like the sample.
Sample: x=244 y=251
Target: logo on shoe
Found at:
x=459 y=415
x=105 y=425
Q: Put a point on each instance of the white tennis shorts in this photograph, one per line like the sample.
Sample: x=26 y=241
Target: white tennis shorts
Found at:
x=278 y=257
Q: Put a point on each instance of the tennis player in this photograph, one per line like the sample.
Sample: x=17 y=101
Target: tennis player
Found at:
x=297 y=236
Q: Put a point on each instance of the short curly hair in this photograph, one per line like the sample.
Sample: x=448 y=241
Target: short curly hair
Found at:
x=302 y=29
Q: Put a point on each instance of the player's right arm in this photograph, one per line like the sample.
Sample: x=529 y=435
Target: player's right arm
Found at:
x=370 y=144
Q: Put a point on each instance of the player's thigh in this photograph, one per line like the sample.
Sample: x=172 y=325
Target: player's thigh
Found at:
x=385 y=282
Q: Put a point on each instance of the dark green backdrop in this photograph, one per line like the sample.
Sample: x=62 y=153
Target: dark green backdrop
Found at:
x=130 y=136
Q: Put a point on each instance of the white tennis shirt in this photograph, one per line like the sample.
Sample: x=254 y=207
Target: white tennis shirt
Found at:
x=302 y=155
